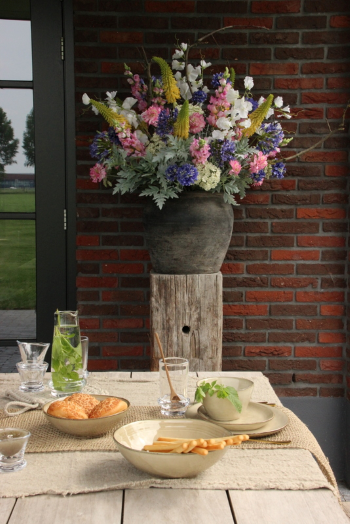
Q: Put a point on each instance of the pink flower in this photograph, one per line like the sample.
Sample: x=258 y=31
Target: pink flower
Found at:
x=200 y=151
x=150 y=116
x=97 y=173
x=273 y=153
x=131 y=144
x=257 y=184
x=259 y=163
x=235 y=167
x=197 y=123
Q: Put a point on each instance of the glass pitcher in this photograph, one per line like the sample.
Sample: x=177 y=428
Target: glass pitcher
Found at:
x=66 y=359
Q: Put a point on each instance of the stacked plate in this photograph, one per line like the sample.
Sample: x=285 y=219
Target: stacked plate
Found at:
x=258 y=419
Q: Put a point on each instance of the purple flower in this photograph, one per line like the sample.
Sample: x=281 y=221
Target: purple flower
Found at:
x=166 y=121
x=273 y=137
x=278 y=170
x=199 y=97
x=258 y=177
x=254 y=104
x=186 y=174
x=112 y=135
x=100 y=147
x=222 y=153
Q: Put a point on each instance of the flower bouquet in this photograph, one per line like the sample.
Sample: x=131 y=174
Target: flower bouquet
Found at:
x=175 y=134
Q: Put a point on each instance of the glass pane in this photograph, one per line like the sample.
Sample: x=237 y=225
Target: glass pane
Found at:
x=17 y=279
x=15 y=50
x=17 y=177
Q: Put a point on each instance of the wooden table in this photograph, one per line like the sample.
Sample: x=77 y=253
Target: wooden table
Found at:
x=176 y=506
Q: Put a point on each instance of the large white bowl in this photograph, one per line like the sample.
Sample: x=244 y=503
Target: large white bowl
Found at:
x=90 y=427
x=221 y=408
x=133 y=437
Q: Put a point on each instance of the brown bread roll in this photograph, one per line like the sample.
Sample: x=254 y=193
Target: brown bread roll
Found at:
x=63 y=409
x=108 y=407
x=87 y=402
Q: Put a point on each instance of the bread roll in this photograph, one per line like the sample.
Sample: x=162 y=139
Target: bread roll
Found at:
x=64 y=409
x=87 y=402
x=108 y=407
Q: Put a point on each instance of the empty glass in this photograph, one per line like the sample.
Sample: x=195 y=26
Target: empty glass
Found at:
x=32 y=375
x=178 y=371
x=13 y=442
x=33 y=352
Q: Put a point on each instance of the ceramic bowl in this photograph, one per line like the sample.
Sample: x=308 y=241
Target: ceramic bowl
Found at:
x=131 y=438
x=221 y=408
x=91 y=427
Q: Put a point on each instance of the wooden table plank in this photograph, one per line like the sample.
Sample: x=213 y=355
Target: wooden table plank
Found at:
x=287 y=507
x=90 y=508
x=176 y=506
x=6 y=506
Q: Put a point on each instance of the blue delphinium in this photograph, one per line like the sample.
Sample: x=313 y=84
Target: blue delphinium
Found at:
x=274 y=138
x=258 y=177
x=98 y=146
x=254 y=103
x=199 y=97
x=278 y=170
x=222 y=151
x=112 y=135
x=166 y=121
x=186 y=174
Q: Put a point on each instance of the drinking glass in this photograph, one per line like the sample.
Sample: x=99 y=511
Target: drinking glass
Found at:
x=66 y=359
x=85 y=354
x=13 y=442
x=32 y=375
x=178 y=371
x=32 y=352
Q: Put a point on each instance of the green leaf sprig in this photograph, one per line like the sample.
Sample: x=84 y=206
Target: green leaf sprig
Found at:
x=221 y=391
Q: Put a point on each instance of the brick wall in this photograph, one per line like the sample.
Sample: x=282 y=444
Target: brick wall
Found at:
x=285 y=272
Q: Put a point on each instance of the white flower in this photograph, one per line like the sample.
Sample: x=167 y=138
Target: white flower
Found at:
x=241 y=108
x=286 y=109
x=205 y=89
x=223 y=123
x=179 y=66
x=141 y=136
x=95 y=110
x=193 y=72
x=217 y=135
x=205 y=64
x=246 y=123
x=111 y=96
x=183 y=47
x=232 y=95
x=208 y=176
x=270 y=112
x=86 y=99
x=279 y=101
x=261 y=100
x=178 y=54
x=129 y=102
x=248 y=82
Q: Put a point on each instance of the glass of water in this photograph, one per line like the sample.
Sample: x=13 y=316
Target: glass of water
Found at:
x=178 y=371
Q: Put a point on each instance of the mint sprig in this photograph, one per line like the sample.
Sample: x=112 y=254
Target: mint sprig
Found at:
x=221 y=391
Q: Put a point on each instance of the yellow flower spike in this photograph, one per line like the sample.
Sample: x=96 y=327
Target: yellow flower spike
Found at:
x=113 y=118
x=182 y=124
x=257 y=116
x=172 y=92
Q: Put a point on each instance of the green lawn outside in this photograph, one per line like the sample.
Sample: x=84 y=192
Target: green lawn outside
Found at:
x=17 y=200
x=17 y=264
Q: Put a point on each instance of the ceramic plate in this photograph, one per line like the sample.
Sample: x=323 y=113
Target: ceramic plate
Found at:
x=278 y=422
x=255 y=416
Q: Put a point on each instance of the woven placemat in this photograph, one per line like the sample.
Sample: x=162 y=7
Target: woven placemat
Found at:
x=45 y=438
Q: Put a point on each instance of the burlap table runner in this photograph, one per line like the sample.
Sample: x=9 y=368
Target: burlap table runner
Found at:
x=45 y=438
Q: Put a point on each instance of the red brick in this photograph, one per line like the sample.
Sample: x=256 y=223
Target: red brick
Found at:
x=229 y=336
x=301 y=22
x=85 y=184
x=295 y=200
x=135 y=310
x=336 y=198
x=337 y=311
x=247 y=254
x=331 y=365
x=316 y=68
x=324 y=98
x=89 y=323
x=296 y=392
x=123 y=296
x=285 y=6
x=292 y=310
x=122 y=269
x=88 y=240
x=102 y=364
x=336 y=170
x=232 y=269
x=320 y=296
x=170 y=7
x=242 y=309
x=299 y=53
x=245 y=282
x=308 y=113
x=266 y=351
x=337 y=112
x=331 y=392
x=294 y=254
x=324 y=156
x=134 y=254
x=269 y=296
x=332 y=338
x=319 y=378
x=243 y=365
x=231 y=351
x=137 y=364
x=233 y=323
x=338 y=83
x=87 y=282
x=294 y=282
x=295 y=227
x=250 y=227
x=324 y=6
x=274 y=69
x=279 y=378
x=320 y=324
x=318 y=351
x=340 y=21
x=269 y=323
x=319 y=241
x=293 y=336
x=118 y=37
x=122 y=323
x=283 y=364
x=97 y=254
x=249 y=22
x=298 y=83
x=255 y=198
x=317 y=213
x=270 y=269
x=122 y=351
x=326 y=37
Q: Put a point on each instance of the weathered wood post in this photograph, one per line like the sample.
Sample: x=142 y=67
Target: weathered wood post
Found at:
x=186 y=312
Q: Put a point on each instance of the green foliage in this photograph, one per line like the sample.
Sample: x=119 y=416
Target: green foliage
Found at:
x=28 y=139
x=8 y=144
x=221 y=391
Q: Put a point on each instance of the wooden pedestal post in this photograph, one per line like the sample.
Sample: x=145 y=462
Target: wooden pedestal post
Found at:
x=186 y=312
